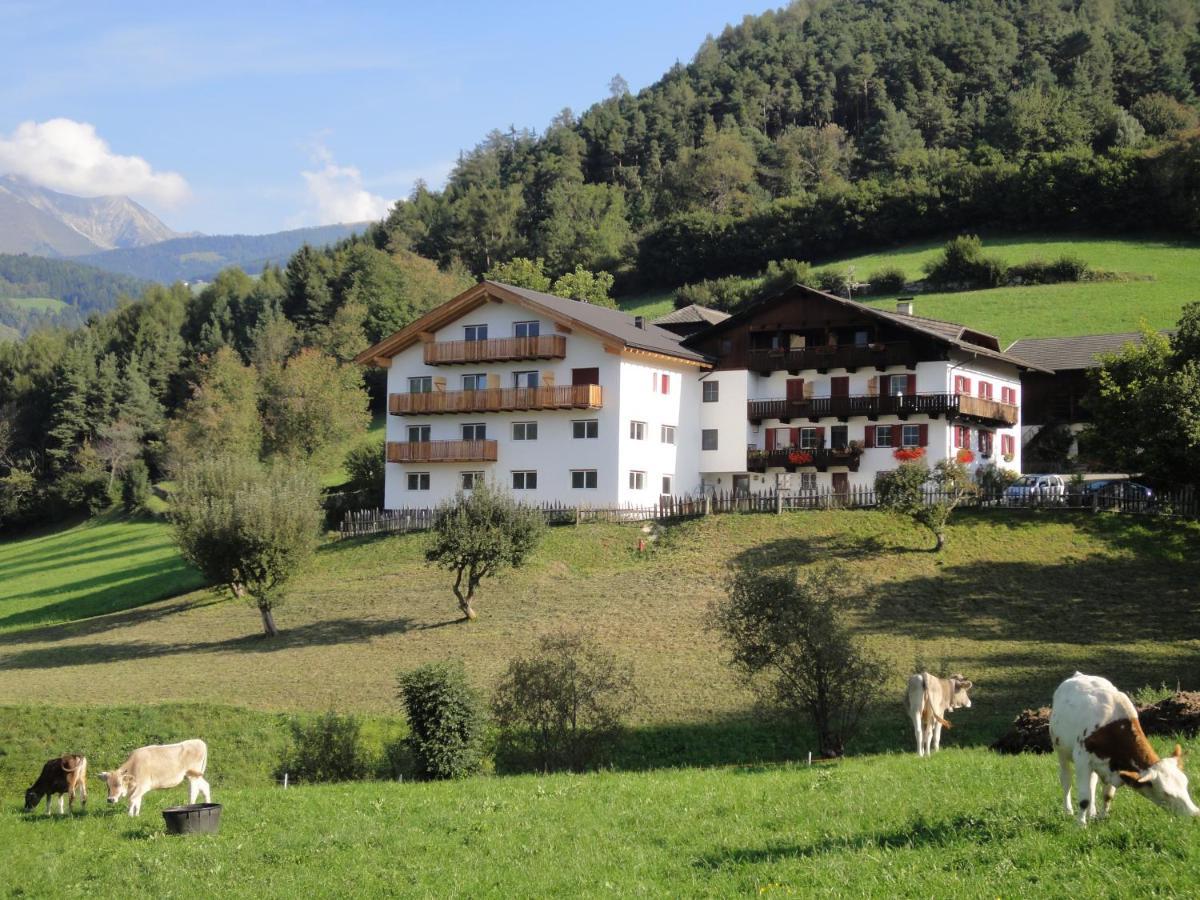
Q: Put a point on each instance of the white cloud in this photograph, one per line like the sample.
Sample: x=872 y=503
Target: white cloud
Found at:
x=336 y=193
x=69 y=156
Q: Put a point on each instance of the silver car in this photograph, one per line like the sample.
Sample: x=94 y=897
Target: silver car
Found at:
x=1036 y=490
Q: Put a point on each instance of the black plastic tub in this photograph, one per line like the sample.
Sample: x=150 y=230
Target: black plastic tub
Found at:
x=195 y=818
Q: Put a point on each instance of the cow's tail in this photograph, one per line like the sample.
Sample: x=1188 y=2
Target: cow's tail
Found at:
x=80 y=765
x=928 y=707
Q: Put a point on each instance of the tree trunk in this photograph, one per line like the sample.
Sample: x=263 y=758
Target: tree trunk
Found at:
x=268 y=621
x=939 y=537
x=468 y=611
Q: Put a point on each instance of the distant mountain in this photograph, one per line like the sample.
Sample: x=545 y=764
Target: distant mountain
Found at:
x=37 y=220
x=200 y=257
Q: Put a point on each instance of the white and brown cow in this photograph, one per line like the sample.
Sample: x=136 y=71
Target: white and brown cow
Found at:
x=64 y=776
x=1096 y=727
x=160 y=766
x=929 y=700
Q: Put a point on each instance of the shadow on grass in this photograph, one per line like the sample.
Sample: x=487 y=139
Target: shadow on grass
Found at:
x=104 y=623
x=335 y=631
x=804 y=550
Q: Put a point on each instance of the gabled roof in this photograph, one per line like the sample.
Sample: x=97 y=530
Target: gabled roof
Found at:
x=609 y=325
x=958 y=336
x=693 y=312
x=1072 y=353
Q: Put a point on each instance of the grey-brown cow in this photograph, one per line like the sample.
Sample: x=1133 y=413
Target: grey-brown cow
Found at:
x=929 y=700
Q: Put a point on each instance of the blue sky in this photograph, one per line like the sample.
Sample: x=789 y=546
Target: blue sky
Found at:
x=211 y=114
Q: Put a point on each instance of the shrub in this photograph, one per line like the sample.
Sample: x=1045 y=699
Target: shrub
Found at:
x=783 y=274
x=135 y=487
x=963 y=262
x=562 y=707
x=1037 y=271
x=889 y=280
x=366 y=465
x=327 y=749
x=788 y=636
x=445 y=720
x=993 y=479
x=718 y=293
x=834 y=281
x=903 y=491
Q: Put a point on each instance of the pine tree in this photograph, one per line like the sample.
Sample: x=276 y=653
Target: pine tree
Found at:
x=70 y=420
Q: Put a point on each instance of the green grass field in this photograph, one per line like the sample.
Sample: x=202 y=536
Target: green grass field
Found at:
x=38 y=304
x=1044 y=310
x=966 y=823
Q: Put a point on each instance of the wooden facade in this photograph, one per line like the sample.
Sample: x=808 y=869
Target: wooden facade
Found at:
x=507 y=349
x=531 y=399
x=441 y=451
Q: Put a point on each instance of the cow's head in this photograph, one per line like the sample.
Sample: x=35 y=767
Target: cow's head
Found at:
x=31 y=799
x=1164 y=784
x=118 y=783
x=959 y=699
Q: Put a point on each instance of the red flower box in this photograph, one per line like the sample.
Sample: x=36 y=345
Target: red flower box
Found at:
x=965 y=456
x=800 y=457
x=908 y=454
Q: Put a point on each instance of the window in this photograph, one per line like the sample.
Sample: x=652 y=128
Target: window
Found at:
x=1008 y=445
x=985 y=443
x=470 y=480
x=418 y=481
x=962 y=437
x=783 y=438
x=808 y=480
x=839 y=437
x=708 y=439
x=668 y=483
x=637 y=431
x=910 y=436
x=654 y=382
x=583 y=479
x=525 y=379
x=526 y=329
x=590 y=375
x=422 y=384
x=418 y=434
x=524 y=481
x=474 y=382
x=985 y=390
x=637 y=480
x=883 y=435
x=1008 y=395
x=725 y=345
x=667 y=435
x=861 y=339
x=475 y=332
x=475 y=431
x=666 y=383
x=962 y=384
x=711 y=391
x=585 y=428
x=808 y=438
x=524 y=431
x=897 y=384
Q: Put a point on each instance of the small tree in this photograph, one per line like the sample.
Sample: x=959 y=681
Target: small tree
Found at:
x=562 y=707
x=903 y=490
x=788 y=637
x=445 y=720
x=248 y=528
x=327 y=749
x=477 y=534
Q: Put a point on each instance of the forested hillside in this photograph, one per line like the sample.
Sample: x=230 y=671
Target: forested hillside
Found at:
x=831 y=125
x=81 y=288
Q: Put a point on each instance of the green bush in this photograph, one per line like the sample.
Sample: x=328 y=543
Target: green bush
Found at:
x=993 y=479
x=717 y=293
x=1065 y=268
x=445 y=720
x=135 y=487
x=964 y=263
x=327 y=749
x=366 y=466
x=888 y=280
x=834 y=281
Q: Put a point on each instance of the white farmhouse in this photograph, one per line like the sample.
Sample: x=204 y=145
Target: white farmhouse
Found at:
x=557 y=400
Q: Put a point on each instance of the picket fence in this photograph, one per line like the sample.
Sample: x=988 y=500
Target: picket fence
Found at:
x=1181 y=504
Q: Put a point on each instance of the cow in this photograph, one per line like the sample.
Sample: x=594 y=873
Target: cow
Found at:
x=1095 y=727
x=160 y=766
x=64 y=775
x=929 y=700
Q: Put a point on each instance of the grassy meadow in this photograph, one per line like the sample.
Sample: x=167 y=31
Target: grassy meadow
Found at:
x=1038 y=310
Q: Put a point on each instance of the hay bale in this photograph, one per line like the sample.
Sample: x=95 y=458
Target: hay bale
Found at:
x=1029 y=733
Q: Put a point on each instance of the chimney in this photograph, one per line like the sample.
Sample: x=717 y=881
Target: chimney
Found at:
x=639 y=322
x=904 y=306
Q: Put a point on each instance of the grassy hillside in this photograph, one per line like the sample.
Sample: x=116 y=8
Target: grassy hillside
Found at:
x=962 y=824
x=1043 y=310
x=38 y=304
x=101 y=566
x=1017 y=601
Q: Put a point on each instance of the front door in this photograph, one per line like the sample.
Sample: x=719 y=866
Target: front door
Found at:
x=841 y=483
x=741 y=485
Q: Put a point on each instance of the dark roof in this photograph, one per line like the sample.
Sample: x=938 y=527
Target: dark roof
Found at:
x=959 y=336
x=1079 y=352
x=693 y=312
x=614 y=322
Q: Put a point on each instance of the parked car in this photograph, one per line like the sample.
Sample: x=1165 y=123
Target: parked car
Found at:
x=1120 y=493
x=1034 y=489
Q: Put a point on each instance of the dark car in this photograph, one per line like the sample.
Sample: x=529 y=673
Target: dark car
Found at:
x=1120 y=493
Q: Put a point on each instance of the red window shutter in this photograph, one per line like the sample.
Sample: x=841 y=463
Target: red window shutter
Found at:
x=869 y=436
x=666 y=383
x=897 y=435
x=912 y=384
x=957 y=437
x=923 y=432
x=821 y=437
x=795 y=389
x=795 y=437
x=966 y=385
x=770 y=439
x=958 y=380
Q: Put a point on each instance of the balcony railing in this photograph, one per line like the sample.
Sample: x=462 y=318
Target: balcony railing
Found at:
x=840 y=356
x=441 y=451
x=448 y=353
x=525 y=399
x=793 y=458
x=875 y=405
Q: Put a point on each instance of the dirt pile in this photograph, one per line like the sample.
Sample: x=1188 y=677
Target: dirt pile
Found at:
x=1177 y=714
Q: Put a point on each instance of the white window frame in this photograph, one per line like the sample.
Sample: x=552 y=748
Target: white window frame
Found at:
x=424 y=381
x=473 y=425
x=916 y=433
x=808 y=438
x=473 y=332
x=424 y=433
x=668 y=485
x=807 y=481
x=473 y=477
x=525 y=475
x=532 y=328
x=585 y=476
x=524 y=434
x=716 y=392
x=521 y=379
x=479 y=380
x=637 y=480
x=714 y=433
x=592 y=425
x=637 y=430
x=666 y=434
x=419 y=477
x=883 y=430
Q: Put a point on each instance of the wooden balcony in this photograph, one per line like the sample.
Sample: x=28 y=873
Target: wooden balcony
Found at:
x=795 y=458
x=450 y=353
x=530 y=399
x=441 y=451
x=874 y=405
x=850 y=357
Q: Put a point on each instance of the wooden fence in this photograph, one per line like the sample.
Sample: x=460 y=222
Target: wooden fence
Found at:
x=1178 y=504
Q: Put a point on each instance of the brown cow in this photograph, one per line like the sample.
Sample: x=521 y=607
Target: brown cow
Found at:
x=65 y=775
x=929 y=700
